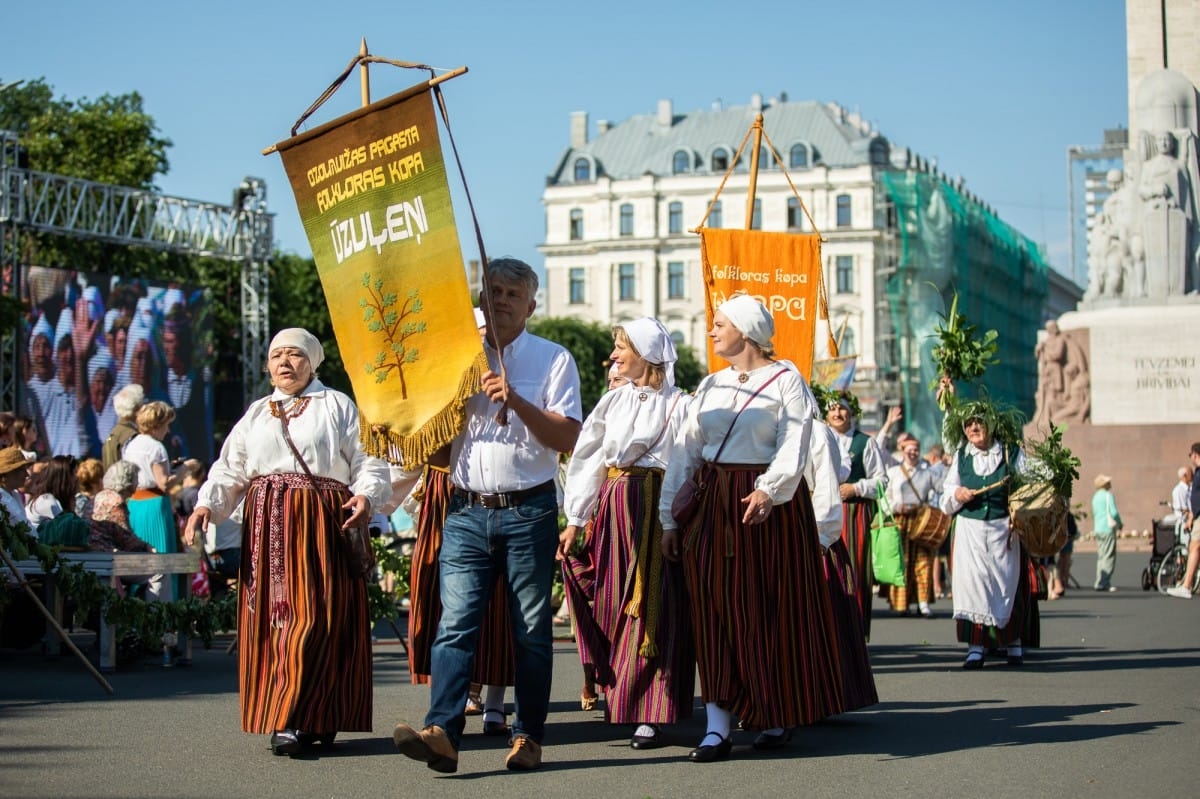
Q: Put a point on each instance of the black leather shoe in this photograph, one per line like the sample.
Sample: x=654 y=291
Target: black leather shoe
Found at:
x=646 y=741
x=973 y=663
x=766 y=741
x=324 y=739
x=707 y=754
x=495 y=728
x=1016 y=660
x=286 y=742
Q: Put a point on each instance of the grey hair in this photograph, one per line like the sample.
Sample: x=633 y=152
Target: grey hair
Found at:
x=122 y=476
x=513 y=270
x=128 y=400
x=1184 y=472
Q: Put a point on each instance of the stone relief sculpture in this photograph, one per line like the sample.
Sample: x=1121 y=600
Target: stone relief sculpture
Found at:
x=1145 y=242
x=1064 y=392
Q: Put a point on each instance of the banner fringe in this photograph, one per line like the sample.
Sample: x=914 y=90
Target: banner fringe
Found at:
x=412 y=450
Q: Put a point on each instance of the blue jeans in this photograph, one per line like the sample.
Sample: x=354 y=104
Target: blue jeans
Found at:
x=480 y=546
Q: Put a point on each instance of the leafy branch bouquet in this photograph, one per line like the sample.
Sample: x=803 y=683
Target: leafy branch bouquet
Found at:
x=959 y=355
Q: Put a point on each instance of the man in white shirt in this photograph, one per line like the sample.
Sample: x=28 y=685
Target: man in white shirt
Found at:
x=1180 y=500
x=502 y=522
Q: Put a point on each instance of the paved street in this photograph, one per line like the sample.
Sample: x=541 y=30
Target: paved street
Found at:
x=1109 y=707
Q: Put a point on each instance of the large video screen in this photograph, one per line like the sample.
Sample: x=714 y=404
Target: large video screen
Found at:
x=89 y=334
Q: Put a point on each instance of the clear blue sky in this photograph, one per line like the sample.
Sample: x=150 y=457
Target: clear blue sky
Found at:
x=996 y=92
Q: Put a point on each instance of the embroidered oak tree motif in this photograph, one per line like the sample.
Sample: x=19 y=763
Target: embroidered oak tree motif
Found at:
x=382 y=316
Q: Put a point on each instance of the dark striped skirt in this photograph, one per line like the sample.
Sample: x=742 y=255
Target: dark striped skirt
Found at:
x=856 y=533
x=858 y=683
x=766 y=640
x=304 y=628
x=630 y=606
x=494 y=657
x=1024 y=625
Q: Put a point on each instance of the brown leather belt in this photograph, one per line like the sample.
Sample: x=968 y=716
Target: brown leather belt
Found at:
x=506 y=499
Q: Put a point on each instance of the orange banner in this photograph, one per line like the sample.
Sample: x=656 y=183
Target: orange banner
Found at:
x=780 y=270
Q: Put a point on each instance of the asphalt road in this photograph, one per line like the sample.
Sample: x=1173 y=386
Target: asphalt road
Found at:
x=1109 y=707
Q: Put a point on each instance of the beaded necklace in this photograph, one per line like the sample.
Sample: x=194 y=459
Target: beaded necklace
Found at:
x=297 y=407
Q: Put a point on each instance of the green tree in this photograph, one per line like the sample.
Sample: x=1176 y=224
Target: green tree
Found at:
x=111 y=139
x=591 y=343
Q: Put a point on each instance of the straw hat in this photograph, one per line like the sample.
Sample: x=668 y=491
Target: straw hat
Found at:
x=1102 y=480
x=11 y=459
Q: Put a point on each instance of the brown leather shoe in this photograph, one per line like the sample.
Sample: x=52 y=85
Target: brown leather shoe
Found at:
x=526 y=755
x=431 y=746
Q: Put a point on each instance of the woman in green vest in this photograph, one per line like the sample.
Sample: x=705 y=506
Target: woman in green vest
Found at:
x=992 y=602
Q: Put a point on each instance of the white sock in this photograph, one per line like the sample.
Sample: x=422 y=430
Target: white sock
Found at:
x=974 y=650
x=493 y=699
x=646 y=731
x=718 y=722
x=1015 y=650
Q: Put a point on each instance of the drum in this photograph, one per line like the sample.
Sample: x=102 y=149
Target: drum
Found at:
x=928 y=527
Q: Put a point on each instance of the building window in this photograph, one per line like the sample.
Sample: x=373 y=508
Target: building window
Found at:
x=843 y=210
x=675 y=217
x=679 y=339
x=675 y=280
x=583 y=170
x=626 y=282
x=576 y=224
x=626 y=219
x=756 y=215
x=714 y=217
x=795 y=216
x=720 y=160
x=578 y=285
x=879 y=152
x=798 y=158
x=845 y=274
x=681 y=162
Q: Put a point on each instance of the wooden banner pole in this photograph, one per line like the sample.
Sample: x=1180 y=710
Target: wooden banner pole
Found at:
x=753 y=185
x=62 y=634
x=363 y=74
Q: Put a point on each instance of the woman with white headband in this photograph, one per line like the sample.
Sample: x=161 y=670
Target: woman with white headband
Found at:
x=630 y=605
x=766 y=642
x=303 y=619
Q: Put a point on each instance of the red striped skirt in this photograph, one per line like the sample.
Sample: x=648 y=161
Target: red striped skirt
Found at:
x=630 y=606
x=766 y=640
x=858 y=682
x=495 y=657
x=304 y=629
x=856 y=533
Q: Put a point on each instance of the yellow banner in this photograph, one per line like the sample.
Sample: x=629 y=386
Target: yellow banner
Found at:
x=780 y=270
x=372 y=194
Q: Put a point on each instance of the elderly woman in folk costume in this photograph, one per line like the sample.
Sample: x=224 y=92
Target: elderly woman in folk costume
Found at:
x=761 y=610
x=993 y=603
x=303 y=620
x=858 y=492
x=630 y=606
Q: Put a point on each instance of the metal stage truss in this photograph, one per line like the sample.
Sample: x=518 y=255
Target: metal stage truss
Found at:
x=241 y=232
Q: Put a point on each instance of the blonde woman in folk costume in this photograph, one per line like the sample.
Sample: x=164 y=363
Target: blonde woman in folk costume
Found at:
x=761 y=612
x=630 y=604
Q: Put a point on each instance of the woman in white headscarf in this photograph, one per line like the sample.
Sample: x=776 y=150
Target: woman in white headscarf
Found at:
x=630 y=605
x=766 y=643
x=304 y=629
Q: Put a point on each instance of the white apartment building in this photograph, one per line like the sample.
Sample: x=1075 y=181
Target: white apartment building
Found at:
x=619 y=208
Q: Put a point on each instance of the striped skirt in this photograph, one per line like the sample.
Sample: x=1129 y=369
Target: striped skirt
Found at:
x=1024 y=625
x=858 y=683
x=304 y=628
x=494 y=657
x=630 y=606
x=919 y=563
x=766 y=640
x=856 y=533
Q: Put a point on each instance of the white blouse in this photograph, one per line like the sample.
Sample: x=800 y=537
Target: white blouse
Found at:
x=630 y=426
x=984 y=461
x=774 y=430
x=824 y=472
x=325 y=433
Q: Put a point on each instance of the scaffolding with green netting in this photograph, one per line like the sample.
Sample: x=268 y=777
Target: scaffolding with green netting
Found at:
x=947 y=242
